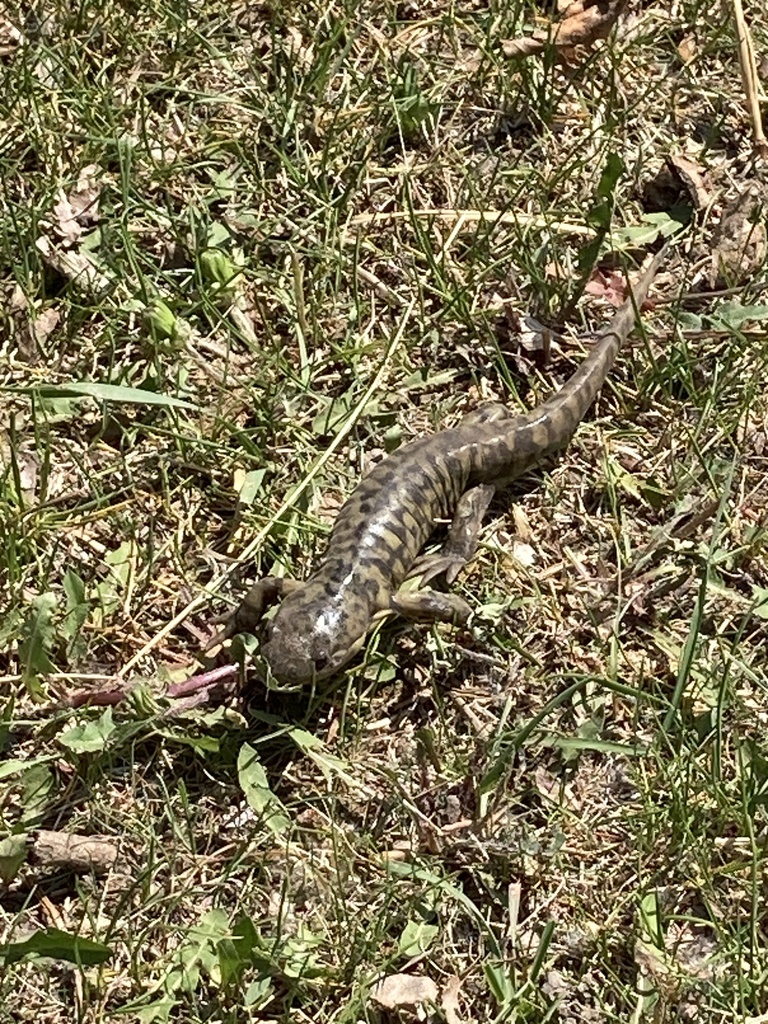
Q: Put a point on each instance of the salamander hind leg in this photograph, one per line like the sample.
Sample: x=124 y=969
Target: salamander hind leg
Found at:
x=461 y=542
x=491 y=412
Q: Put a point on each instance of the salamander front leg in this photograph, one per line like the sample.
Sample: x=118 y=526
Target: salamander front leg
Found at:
x=430 y=606
x=461 y=542
x=249 y=613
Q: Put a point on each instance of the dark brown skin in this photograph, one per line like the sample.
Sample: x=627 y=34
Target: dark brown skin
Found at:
x=321 y=624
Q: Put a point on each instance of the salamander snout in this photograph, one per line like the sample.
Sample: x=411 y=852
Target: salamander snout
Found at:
x=295 y=661
x=298 y=655
x=315 y=633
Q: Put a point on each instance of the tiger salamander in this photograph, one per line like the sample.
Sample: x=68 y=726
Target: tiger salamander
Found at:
x=382 y=527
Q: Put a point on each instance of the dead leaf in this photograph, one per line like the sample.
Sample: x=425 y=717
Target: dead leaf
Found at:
x=583 y=22
x=404 y=990
x=610 y=286
x=44 y=324
x=10 y=38
x=522 y=524
x=75 y=266
x=449 y=1001
x=546 y=783
x=80 y=208
x=693 y=948
x=687 y=49
x=556 y=986
x=300 y=52
x=692 y=177
x=65 y=223
x=19 y=301
x=27 y=465
x=85 y=198
x=394 y=855
x=523 y=553
x=653 y=963
x=534 y=336
x=740 y=241
x=613 y=287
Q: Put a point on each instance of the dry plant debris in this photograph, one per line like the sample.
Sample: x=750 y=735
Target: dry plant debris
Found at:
x=247 y=249
x=582 y=23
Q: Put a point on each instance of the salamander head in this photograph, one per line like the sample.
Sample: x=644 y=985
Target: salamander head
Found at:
x=312 y=638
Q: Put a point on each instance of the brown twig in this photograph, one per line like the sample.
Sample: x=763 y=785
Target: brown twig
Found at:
x=206 y=683
x=750 y=79
x=72 y=852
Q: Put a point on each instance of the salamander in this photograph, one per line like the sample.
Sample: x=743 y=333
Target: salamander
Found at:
x=378 y=534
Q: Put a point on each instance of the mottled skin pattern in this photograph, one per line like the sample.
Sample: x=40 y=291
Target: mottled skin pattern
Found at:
x=383 y=526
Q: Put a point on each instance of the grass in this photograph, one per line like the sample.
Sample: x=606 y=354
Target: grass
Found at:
x=557 y=814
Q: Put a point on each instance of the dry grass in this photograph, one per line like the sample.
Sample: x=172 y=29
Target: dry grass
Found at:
x=557 y=814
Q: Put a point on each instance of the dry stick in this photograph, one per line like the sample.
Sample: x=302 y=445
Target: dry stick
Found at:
x=287 y=504
x=750 y=79
x=473 y=217
x=189 y=692
x=203 y=681
x=80 y=854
